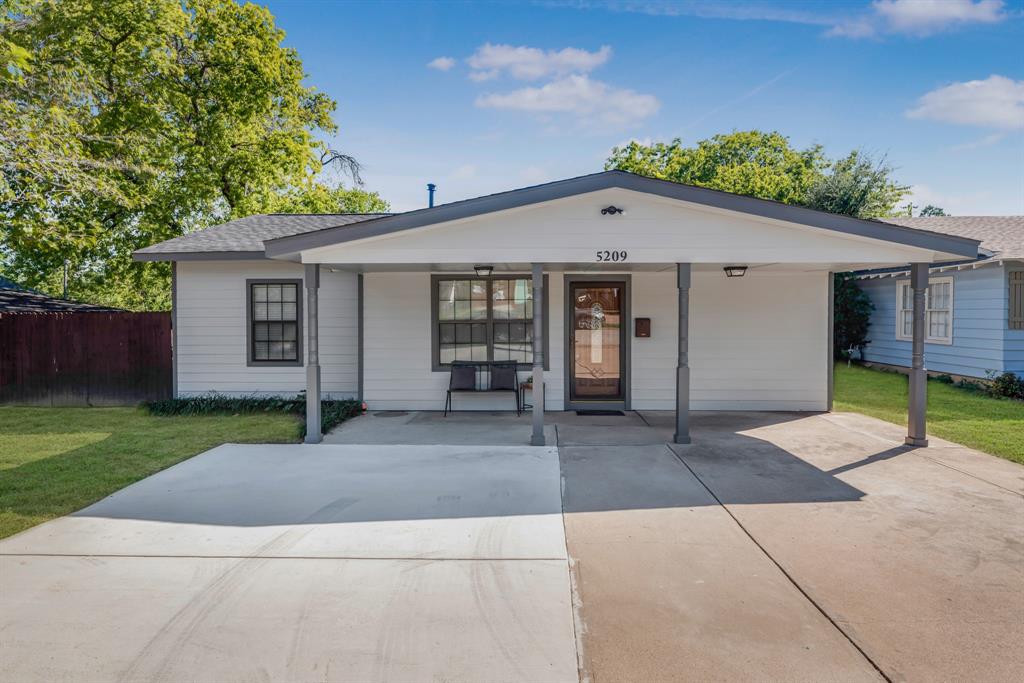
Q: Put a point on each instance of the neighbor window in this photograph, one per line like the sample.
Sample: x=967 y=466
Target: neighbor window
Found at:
x=483 y=319
x=275 y=322
x=938 y=305
x=1016 y=298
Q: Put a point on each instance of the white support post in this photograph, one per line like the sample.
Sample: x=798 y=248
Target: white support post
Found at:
x=537 y=439
x=918 y=403
x=313 y=434
x=682 y=434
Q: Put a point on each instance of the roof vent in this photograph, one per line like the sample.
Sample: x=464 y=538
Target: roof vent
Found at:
x=430 y=193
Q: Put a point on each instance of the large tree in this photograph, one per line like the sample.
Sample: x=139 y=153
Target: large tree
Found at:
x=752 y=162
x=127 y=122
x=766 y=165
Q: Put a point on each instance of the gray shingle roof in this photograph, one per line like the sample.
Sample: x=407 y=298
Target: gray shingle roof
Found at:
x=247 y=234
x=18 y=300
x=1001 y=236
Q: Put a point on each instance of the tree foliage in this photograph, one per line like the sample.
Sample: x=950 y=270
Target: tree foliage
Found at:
x=856 y=185
x=852 y=309
x=127 y=122
x=752 y=162
x=932 y=210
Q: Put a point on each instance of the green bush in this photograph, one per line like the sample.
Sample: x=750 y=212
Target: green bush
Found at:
x=1008 y=385
x=332 y=412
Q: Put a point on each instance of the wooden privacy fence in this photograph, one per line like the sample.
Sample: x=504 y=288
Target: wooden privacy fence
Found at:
x=84 y=358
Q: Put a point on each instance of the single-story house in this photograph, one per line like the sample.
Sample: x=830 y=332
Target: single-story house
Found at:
x=615 y=291
x=975 y=307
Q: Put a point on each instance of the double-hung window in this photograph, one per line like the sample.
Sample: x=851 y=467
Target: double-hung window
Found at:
x=482 y=319
x=938 y=304
x=274 y=319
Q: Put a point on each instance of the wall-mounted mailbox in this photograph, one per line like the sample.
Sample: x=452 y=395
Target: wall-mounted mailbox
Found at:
x=642 y=327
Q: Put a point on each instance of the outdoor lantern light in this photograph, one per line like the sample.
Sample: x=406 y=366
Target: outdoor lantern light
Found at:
x=735 y=271
x=611 y=210
x=483 y=271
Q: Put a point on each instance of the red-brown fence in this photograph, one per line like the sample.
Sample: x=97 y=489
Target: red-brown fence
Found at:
x=84 y=358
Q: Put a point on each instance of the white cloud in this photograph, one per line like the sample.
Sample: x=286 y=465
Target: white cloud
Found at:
x=919 y=17
x=996 y=102
x=442 y=63
x=531 y=63
x=593 y=102
x=986 y=141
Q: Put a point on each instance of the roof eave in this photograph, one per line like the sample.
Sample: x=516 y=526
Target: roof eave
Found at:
x=198 y=255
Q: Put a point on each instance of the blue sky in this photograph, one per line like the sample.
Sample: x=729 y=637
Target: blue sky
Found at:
x=481 y=98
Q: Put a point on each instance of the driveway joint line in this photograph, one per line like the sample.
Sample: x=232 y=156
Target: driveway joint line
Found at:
x=968 y=474
x=289 y=557
x=576 y=605
x=782 y=569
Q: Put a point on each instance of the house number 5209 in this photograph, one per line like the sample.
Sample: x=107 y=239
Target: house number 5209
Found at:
x=615 y=256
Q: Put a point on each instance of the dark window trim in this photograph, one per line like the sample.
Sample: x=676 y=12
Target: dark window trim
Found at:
x=435 y=333
x=249 y=360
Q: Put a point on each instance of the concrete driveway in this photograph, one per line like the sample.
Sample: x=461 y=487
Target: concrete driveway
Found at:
x=776 y=547
x=302 y=563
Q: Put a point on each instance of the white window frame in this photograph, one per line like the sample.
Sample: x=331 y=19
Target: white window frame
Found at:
x=902 y=312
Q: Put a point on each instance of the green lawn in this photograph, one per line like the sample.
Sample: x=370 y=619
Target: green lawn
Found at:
x=967 y=417
x=57 y=460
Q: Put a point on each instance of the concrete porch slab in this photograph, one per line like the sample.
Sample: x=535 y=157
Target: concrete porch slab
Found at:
x=433 y=428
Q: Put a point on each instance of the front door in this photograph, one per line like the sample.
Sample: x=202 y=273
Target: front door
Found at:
x=597 y=328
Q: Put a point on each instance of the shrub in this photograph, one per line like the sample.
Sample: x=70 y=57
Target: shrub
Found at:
x=1008 y=385
x=852 y=311
x=332 y=412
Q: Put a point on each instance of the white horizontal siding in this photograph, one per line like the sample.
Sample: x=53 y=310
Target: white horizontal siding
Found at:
x=397 y=356
x=756 y=343
x=652 y=230
x=211 y=335
x=759 y=342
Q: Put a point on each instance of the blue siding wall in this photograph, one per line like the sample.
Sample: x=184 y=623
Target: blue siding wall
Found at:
x=1013 y=343
x=979 y=325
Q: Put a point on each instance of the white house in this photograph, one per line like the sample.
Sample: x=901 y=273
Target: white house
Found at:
x=615 y=290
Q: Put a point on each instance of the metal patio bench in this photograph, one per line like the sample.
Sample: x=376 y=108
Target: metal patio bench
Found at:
x=478 y=377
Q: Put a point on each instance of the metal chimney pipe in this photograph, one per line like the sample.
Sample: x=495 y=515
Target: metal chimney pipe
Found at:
x=430 y=193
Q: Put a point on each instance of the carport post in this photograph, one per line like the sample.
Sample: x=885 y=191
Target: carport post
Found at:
x=537 y=439
x=682 y=434
x=313 y=434
x=918 y=375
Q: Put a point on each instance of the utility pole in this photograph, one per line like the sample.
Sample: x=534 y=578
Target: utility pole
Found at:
x=910 y=208
x=65 y=279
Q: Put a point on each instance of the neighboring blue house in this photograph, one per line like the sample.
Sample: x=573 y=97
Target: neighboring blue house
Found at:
x=975 y=310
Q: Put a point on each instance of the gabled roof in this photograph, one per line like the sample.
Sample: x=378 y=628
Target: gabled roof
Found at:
x=285 y=246
x=284 y=236
x=1001 y=237
x=243 y=238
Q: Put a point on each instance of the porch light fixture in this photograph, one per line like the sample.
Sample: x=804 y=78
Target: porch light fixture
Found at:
x=735 y=271
x=483 y=271
x=611 y=211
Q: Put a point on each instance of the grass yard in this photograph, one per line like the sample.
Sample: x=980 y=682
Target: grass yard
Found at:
x=54 y=461
x=965 y=416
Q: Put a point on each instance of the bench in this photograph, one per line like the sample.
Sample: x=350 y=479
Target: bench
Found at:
x=475 y=377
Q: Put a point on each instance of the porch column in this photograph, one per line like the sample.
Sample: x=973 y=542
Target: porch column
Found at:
x=313 y=434
x=537 y=439
x=918 y=375
x=682 y=434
